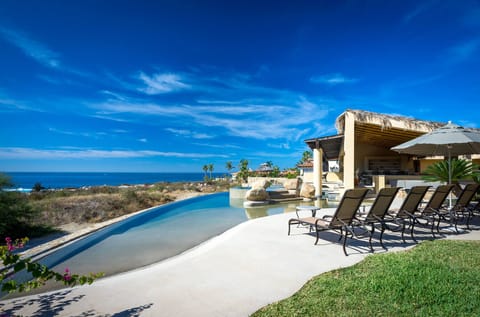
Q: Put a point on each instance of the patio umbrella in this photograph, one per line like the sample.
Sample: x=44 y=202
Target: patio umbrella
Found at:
x=451 y=139
x=448 y=140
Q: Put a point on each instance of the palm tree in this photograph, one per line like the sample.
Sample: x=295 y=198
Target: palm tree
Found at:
x=460 y=169
x=243 y=173
x=306 y=156
x=210 y=168
x=229 y=166
x=205 y=169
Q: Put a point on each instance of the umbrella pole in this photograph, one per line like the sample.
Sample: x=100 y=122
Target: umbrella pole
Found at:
x=449 y=176
x=451 y=227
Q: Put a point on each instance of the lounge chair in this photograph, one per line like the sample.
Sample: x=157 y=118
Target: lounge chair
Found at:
x=377 y=212
x=428 y=215
x=341 y=219
x=397 y=220
x=461 y=209
x=474 y=209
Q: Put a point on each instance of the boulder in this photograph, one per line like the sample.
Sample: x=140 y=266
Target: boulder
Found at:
x=291 y=184
x=307 y=191
x=257 y=194
x=261 y=184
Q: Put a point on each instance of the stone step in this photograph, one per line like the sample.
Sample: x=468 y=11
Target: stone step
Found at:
x=281 y=195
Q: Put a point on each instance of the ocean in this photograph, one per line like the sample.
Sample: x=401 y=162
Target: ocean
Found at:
x=26 y=180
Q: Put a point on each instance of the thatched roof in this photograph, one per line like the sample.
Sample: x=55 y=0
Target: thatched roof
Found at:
x=386 y=121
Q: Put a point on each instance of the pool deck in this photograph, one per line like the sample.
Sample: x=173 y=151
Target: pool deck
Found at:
x=234 y=274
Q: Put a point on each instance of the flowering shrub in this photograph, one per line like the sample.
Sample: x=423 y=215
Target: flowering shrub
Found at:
x=13 y=263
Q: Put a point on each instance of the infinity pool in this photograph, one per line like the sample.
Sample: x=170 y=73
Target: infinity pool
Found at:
x=156 y=234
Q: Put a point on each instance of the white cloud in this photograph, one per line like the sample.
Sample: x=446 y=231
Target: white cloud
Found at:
x=189 y=134
x=161 y=83
x=259 y=121
x=30 y=153
x=143 y=140
x=31 y=48
x=333 y=79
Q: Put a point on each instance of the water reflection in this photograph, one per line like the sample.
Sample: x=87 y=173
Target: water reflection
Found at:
x=278 y=208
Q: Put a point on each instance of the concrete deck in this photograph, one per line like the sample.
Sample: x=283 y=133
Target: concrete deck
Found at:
x=234 y=274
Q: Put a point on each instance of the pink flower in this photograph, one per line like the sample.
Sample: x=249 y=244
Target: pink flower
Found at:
x=67 y=276
x=10 y=246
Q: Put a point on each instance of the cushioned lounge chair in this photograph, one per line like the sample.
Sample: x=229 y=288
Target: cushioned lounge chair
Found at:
x=429 y=215
x=461 y=209
x=377 y=212
x=341 y=219
x=398 y=220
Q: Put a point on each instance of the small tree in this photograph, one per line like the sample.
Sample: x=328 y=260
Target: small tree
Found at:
x=243 y=173
x=38 y=187
x=460 y=170
x=15 y=211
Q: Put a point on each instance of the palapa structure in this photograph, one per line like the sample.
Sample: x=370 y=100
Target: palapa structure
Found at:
x=362 y=147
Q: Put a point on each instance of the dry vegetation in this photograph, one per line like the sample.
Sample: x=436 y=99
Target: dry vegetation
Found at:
x=97 y=204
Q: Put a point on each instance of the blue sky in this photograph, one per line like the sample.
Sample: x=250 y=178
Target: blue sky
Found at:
x=173 y=85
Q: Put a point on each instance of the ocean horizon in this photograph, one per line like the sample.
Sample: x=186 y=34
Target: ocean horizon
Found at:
x=24 y=181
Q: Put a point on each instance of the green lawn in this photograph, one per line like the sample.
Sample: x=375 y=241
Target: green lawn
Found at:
x=436 y=278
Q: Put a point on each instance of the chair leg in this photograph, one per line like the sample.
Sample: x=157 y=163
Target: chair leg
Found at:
x=456 y=225
x=468 y=220
x=317 y=234
x=403 y=233
x=438 y=224
x=412 y=226
x=432 y=228
x=290 y=223
x=381 y=237
x=345 y=243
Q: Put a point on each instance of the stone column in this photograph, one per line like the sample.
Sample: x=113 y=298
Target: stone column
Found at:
x=349 y=152
x=317 y=170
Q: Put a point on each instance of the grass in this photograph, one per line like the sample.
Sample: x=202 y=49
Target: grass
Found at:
x=436 y=278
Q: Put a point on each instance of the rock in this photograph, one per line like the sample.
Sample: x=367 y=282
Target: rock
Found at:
x=307 y=191
x=261 y=184
x=291 y=184
x=257 y=194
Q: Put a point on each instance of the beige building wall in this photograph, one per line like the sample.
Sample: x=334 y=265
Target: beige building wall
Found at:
x=425 y=163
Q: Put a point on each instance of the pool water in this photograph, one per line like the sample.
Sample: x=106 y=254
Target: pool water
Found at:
x=156 y=234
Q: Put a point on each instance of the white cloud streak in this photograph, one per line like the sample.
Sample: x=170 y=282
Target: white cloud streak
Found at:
x=189 y=134
x=30 y=153
x=31 y=48
x=259 y=121
x=161 y=83
x=332 y=79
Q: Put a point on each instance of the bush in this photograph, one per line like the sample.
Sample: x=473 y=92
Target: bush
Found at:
x=16 y=214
